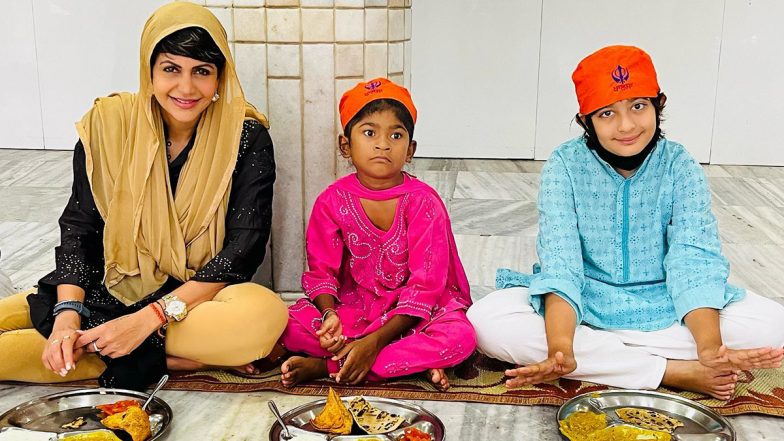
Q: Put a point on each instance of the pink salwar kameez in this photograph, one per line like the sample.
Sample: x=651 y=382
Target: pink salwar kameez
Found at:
x=412 y=269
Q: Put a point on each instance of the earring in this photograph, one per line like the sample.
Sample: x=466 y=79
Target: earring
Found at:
x=215 y=97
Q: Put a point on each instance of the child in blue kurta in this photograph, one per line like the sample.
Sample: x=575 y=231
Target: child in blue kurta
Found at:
x=631 y=289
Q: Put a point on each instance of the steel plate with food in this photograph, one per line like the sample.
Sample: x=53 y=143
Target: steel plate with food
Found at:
x=88 y=415
x=359 y=419
x=620 y=415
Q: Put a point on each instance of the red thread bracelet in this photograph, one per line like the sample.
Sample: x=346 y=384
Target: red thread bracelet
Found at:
x=159 y=313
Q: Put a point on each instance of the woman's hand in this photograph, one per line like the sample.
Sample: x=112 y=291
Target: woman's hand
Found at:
x=722 y=358
x=119 y=337
x=360 y=356
x=59 y=355
x=330 y=333
x=554 y=367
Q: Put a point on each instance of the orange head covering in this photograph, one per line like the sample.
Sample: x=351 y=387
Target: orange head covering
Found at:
x=612 y=74
x=377 y=89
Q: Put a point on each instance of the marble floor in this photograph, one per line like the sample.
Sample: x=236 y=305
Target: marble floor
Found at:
x=493 y=209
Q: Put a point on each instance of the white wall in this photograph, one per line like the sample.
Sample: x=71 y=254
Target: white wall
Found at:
x=62 y=55
x=719 y=62
x=491 y=79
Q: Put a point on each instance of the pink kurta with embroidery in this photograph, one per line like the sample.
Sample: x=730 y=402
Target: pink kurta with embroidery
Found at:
x=412 y=269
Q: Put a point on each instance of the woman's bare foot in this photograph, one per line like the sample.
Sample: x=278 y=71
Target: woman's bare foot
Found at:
x=695 y=377
x=438 y=377
x=295 y=370
x=183 y=364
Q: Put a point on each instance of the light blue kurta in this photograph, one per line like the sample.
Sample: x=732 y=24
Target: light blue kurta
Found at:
x=637 y=253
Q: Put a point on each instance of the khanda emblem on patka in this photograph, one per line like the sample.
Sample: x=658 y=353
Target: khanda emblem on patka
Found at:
x=620 y=75
x=373 y=85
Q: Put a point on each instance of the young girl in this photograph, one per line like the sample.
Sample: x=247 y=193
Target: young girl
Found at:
x=386 y=292
x=632 y=289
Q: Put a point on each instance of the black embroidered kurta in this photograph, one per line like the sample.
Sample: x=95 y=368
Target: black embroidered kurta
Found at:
x=79 y=258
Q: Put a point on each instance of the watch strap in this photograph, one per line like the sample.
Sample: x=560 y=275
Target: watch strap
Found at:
x=71 y=305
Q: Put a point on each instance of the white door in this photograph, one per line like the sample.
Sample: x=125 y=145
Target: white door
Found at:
x=683 y=39
x=20 y=112
x=59 y=56
x=749 y=104
x=474 y=69
x=86 y=49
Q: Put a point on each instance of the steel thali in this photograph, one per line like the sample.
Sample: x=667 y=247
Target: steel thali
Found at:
x=697 y=418
x=298 y=421
x=49 y=413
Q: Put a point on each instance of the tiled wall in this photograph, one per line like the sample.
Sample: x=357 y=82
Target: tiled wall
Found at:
x=295 y=58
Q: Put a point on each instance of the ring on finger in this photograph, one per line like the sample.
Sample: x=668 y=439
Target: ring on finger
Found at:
x=55 y=341
x=95 y=346
x=67 y=337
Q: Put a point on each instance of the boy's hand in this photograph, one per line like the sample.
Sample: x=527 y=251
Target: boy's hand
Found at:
x=330 y=334
x=722 y=358
x=360 y=356
x=554 y=367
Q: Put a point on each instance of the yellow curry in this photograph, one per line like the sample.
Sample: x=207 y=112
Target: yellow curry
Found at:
x=589 y=426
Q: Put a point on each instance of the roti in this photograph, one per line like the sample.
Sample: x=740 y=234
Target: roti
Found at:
x=334 y=418
x=648 y=419
x=372 y=419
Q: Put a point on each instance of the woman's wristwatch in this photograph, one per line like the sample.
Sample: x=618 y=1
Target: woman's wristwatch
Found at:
x=71 y=305
x=174 y=308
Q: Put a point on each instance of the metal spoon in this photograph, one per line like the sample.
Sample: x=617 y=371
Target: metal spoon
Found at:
x=286 y=434
x=614 y=420
x=163 y=381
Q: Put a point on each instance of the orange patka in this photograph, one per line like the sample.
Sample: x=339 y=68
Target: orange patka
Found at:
x=377 y=89
x=612 y=74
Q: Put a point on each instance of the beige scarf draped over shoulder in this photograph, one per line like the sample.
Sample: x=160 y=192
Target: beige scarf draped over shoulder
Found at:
x=149 y=235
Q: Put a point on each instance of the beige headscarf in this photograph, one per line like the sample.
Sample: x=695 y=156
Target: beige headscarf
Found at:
x=149 y=235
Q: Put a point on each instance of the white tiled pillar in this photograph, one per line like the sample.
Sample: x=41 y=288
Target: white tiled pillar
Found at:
x=295 y=58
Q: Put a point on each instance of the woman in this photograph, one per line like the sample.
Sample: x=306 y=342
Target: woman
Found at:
x=168 y=217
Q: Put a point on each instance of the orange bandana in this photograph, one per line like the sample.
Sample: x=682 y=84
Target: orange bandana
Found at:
x=377 y=89
x=612 y=74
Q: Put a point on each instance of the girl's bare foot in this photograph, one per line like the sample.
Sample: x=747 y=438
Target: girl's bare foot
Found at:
x=183 y=364
x=295 y=370
x=695 y=377
x=438 y=377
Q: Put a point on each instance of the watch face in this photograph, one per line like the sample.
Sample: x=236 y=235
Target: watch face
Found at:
x=175 y=308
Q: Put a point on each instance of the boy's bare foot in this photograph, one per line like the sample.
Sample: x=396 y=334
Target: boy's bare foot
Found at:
x=183 y=364
x=438 y=377
x=296 y=370
x=695 y=377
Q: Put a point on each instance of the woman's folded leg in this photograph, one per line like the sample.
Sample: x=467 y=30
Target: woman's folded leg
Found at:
x=239 y=325
x=21 y=347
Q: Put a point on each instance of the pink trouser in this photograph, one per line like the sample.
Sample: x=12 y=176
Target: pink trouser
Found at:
x=445 y=342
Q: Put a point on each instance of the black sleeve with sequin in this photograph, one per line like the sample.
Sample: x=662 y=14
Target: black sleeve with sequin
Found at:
x=79 y=258
x=249 y=216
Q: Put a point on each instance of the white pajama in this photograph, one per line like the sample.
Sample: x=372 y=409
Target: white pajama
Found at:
x=508 y=328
